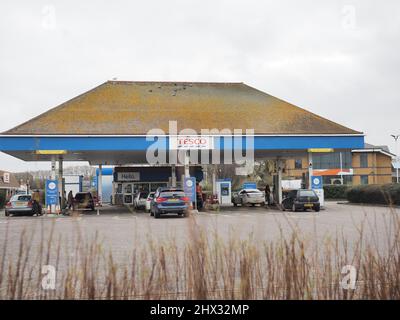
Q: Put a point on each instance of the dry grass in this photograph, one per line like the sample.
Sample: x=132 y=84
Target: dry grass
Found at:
x=206 y=267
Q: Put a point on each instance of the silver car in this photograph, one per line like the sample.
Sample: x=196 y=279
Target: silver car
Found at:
x=148 y=201
x=139 y=202
x=248 y=196
x=23 y=204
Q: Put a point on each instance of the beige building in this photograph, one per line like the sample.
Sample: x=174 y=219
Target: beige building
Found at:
x=8 y=183
x=370 y=165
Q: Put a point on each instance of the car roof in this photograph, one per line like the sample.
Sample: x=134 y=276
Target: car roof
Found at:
x=251 y=190
x=170 y=189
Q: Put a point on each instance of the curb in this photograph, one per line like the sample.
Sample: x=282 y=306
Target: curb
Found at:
x=346 y=203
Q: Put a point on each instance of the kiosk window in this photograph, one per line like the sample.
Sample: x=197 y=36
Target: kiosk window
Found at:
x=225 y=189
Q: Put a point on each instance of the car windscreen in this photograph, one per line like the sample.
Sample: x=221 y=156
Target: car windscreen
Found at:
x=307 y=193
x=21 y=198
x=171 y=194
x=80 y=196
x=252 y=191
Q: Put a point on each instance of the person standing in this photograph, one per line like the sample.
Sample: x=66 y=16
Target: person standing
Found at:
x=70 y=200
x=199 y=196
x=268 y=194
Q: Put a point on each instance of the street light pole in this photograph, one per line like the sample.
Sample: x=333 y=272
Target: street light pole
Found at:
x=396 y=138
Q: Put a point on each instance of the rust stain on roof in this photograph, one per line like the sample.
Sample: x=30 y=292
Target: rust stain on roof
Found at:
x=123 y=107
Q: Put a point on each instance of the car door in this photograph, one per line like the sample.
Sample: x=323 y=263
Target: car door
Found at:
x=288 y=201
x=242 y=196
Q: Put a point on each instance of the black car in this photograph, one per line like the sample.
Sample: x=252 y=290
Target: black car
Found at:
x=301 y=200
x=83 y=200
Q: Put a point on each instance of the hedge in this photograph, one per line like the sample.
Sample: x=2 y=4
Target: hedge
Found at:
x=388 y=194
x=335 y=191
x=2 y=198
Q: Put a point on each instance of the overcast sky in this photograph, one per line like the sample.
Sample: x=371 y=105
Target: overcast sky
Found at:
x=339 y=59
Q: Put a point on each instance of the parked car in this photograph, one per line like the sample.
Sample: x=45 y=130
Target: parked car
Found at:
x=139 y=201
x=23 y=204
x=302 y=199
x=148 y=201
x=248 y=196
x=169 y=200
x=84 y=200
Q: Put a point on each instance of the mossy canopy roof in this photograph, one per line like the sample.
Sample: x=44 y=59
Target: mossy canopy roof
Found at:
x=133 y=108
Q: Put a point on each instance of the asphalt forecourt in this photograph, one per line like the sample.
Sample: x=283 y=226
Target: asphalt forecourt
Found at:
x=115 y=224
x=173 y=248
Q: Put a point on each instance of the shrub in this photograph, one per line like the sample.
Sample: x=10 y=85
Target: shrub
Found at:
x=335 y=191
x=2 y=198
x=376 y=194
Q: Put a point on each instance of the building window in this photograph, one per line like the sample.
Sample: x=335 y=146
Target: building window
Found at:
x=298 y=164
x=364 y=179
x=363 y=160
x=332 y=160
x=329 y=180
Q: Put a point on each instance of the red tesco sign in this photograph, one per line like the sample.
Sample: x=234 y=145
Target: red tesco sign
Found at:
x=191 y=142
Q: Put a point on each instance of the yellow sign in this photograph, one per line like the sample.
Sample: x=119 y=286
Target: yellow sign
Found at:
x=320 y=150
x=51 y=152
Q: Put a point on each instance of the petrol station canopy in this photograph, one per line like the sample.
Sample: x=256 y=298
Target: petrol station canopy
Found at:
x=108 y=124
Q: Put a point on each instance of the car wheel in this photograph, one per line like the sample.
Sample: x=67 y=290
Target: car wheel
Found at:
x=317 y=209
x=6 y=214
x=234 y=204
x=156 y=214
x=253 y=204
x=35 y=210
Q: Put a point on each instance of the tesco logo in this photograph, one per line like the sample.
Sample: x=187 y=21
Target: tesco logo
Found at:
x=191 y=142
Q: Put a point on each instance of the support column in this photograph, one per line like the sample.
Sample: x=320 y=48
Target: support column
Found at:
x=310 y=170
x=60 y=183
x=100 y=185
x=173 y=175
x=187 y=164
x=214 y=180
x=113 y=193
x=279 y=182
x=53 y=177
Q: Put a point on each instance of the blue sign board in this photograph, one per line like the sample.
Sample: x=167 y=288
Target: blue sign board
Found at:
x=94 y=182
x=52 y=196
x=316 y=182
x=190 y=188
x=250 y=185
